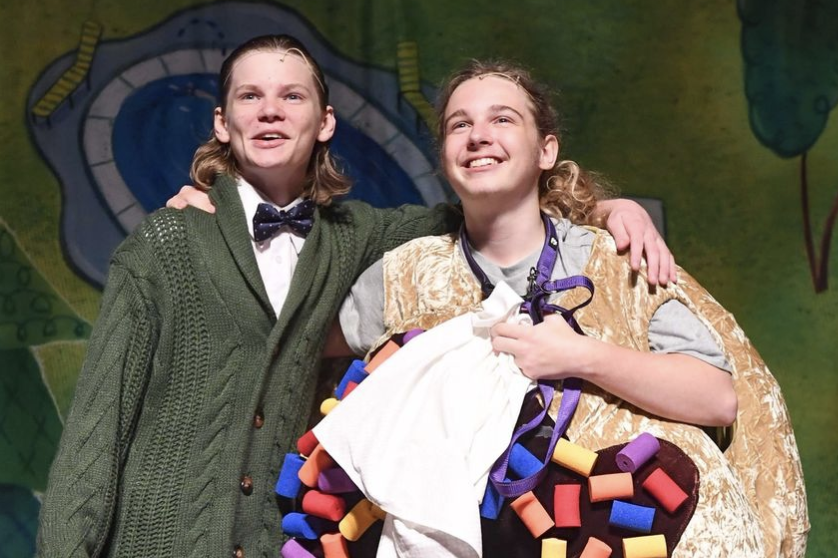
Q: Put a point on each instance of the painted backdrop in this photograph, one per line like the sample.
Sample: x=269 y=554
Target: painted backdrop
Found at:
x=715 y=113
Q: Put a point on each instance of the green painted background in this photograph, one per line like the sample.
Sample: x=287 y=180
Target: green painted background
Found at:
x=653 y=90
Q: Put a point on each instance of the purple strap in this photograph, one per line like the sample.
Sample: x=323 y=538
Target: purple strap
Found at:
x=536 y=305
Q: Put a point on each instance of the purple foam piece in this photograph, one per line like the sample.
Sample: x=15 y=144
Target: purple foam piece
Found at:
x=335 y=481
x=637 y=452
x=411 y=334
x=293 y=549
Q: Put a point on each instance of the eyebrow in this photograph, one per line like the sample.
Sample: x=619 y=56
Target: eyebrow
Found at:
x=494 y=109
x=284 y=87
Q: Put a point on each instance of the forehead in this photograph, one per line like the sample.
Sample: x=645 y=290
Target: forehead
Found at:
x=488 y=91
x=272 y=66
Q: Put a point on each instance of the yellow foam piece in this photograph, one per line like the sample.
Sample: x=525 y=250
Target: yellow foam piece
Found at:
x=553 y=548
x=357 y=521
x=651 y=546
x=576 y=458
x=327 y=405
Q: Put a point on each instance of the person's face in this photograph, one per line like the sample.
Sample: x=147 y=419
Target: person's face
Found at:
x=492 y=145
x=272 y=118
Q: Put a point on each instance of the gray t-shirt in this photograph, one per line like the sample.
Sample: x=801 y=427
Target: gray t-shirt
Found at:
x=673 y=328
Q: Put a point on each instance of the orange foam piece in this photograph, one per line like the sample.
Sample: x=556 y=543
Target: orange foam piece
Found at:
x=595 y=548
x=610 y=487
x=383 y=354
x=334 y=545
x=317 y=462
x=532 y=513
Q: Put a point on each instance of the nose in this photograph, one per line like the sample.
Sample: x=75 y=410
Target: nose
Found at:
x=478 y=135
x=271 y=109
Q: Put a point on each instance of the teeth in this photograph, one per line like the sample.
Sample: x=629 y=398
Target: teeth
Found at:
x=482 y=162
x=270 y=136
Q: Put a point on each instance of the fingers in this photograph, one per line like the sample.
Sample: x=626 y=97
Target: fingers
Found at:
x=618 y=230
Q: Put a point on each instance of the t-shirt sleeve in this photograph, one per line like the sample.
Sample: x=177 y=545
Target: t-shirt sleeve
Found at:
x=675 y=329
x=362 y=312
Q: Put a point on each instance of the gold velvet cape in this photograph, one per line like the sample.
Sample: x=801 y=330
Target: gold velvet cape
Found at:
x=752 y=499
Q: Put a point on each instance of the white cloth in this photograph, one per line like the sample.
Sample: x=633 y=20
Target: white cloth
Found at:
x=420 y=435
x=276 y=257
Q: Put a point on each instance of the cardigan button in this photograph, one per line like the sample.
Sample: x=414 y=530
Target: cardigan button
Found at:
x=238 y=552
x=246 y=485
x=258 y=419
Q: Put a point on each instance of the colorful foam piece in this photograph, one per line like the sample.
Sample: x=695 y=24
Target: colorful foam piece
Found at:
x=306 y=443
x=532 y=513
x=288 y=484
x=305 y=526
x=335 y=481
x=492 y=502
x=325 y=506
x=316 y=463
x=596 y=548
x=576 y=458
x=650 y=546
x=383 y=354
x=663 y=489
x=334 y=545
x=357 y=521
x=610 y=487
x=293 y=549
x=553 y=548
x=412 y=334
x=327 y=405
x=522 y=462
x=350 y=387
x=631 y=516
x=355 y=373
x=637 y=452
x=566 y=505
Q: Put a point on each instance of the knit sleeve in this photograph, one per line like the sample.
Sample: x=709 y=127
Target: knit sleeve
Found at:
x=80 y=500
x=407 y=222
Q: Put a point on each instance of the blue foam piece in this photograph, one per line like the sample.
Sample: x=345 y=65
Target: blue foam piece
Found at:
x=522 y=462
x=355 y=373
x=631 y=516
x=492 y=502
x=304 y=525
x=288 y=484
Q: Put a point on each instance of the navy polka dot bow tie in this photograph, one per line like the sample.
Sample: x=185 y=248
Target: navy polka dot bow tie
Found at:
x=268 y=220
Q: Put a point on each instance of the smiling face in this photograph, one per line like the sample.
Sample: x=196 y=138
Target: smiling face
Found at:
x=272 y=120
x=491 y=145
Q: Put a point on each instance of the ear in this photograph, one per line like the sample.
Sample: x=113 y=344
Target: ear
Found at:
x=327 y=125
x=549 y=153
x=220 y=126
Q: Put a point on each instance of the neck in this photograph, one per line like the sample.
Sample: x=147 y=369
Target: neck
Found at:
x=280 y=188
x=508 y=237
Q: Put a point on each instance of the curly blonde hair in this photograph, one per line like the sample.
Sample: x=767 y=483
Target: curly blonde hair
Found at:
x=566 y=190
x=213 y=158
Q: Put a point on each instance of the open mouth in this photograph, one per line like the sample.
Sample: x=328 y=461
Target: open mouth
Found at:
x=482 y=162
x=270 y=137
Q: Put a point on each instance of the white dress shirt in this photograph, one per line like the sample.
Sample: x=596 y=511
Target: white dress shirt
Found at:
x=276 y=257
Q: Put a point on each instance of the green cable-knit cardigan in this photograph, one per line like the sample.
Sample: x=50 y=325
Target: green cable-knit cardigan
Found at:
x=192 y=390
